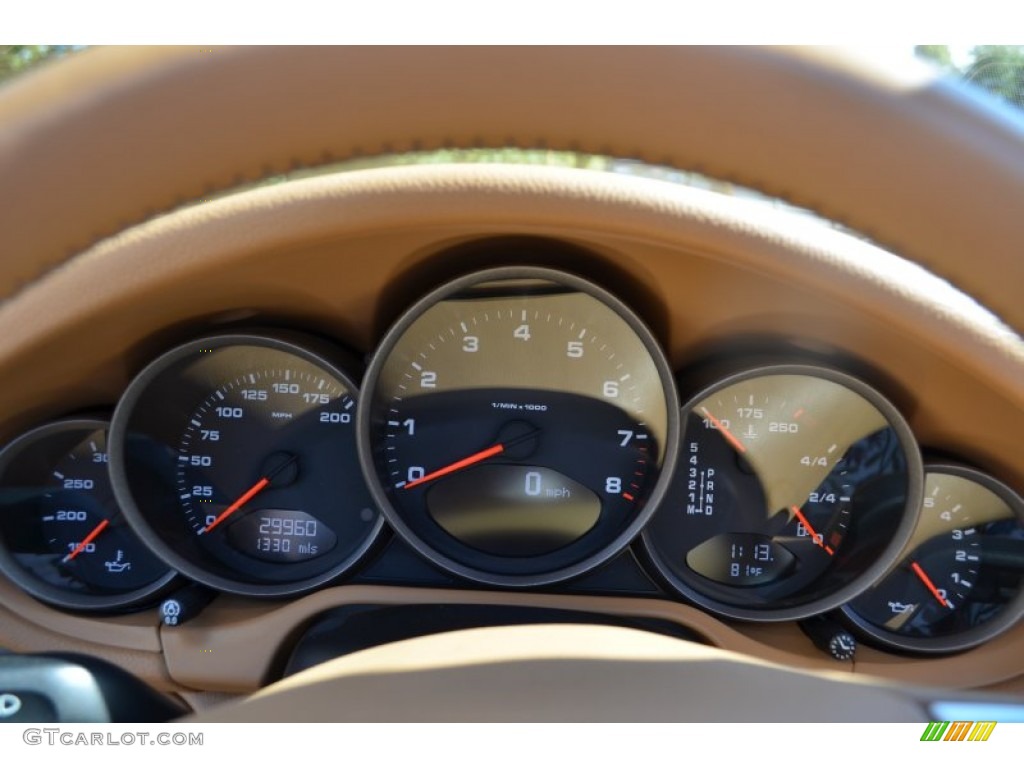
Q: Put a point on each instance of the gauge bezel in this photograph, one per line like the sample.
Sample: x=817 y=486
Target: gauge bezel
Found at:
x=48 y=593
x=454 y=287
x=960 y=641
x=882 y=563
x=312 y=349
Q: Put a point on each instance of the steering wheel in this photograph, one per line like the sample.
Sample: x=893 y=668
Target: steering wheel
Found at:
x=113 y=137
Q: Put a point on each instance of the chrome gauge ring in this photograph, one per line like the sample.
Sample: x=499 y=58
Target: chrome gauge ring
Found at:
x=519 y=426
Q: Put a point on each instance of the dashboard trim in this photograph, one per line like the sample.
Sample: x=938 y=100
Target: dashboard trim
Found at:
x=245 y=637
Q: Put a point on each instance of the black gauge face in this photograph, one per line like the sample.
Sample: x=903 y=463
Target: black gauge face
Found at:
x=961 y=582
x=796 y=487
x=235 y=458
x=517 y=426
x=62 y=536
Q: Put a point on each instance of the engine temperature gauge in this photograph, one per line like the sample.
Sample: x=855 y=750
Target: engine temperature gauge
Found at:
x=797 y=487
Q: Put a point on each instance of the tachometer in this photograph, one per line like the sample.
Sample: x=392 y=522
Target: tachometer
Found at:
x=797 y=487
x=517 y=426
x=234 y=457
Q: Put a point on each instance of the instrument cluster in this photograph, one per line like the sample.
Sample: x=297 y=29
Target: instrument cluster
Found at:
x=517 y=427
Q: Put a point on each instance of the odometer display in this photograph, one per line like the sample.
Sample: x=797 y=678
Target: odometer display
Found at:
x=235 y=458
x=281 y=536
x=517 y=426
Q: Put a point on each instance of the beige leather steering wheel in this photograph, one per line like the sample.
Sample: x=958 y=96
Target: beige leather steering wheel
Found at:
x=112 y=137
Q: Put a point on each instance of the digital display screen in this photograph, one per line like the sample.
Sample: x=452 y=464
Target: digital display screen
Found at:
x=281 y=536
x=741 y=559
x=513 y=510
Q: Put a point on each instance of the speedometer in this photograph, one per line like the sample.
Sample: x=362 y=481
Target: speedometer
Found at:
x=234 y=458
x=518 y=426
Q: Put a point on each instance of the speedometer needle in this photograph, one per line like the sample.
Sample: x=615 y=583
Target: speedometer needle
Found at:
x=86 y=541
x=469 y=461
x=929 y=583
x=246 y=497
x=262 y=483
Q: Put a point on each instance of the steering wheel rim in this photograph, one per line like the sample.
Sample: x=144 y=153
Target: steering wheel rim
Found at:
x=110 y=137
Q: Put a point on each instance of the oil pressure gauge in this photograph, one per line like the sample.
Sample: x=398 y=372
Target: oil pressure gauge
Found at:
x=959 y=582
x=63 y=538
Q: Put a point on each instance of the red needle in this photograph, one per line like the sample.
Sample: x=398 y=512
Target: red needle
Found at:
x=810 y=529
x=477 y=457
x=262 y=483
x=929 y=583
x=86 y=541
x=725 y=432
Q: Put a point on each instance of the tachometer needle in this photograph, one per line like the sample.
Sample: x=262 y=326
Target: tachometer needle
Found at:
x=86 y=541
x=725 y=432
x=819 y=540
x=455 y=466
x=469 y=461
x=930 y=584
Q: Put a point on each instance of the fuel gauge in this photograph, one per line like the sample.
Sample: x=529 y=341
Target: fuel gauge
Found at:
x=62 y=536
x=959 y=583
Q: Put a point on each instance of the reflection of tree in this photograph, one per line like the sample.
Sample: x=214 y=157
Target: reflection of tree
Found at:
x=999 y=69
x=15 y=58
x=879 y=453
x=937 y=54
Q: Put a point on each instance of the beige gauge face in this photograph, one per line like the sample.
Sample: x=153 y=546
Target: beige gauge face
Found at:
x=795 y=485
x=518 y=428
x=793 y=432
x=569 y=343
